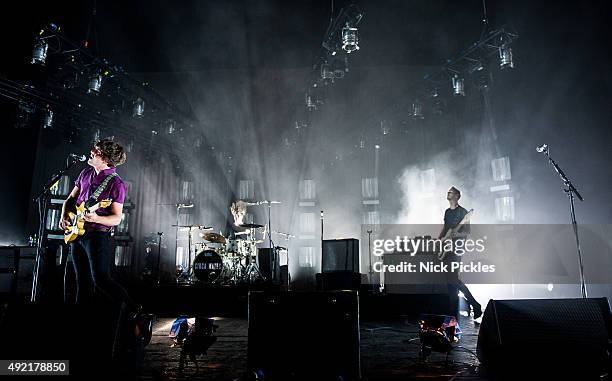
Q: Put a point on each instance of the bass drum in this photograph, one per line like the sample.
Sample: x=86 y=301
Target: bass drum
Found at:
x=207 y=266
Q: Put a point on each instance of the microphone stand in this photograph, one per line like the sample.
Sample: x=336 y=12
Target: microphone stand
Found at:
x=371 y=272
x=42 y=201
x=178 y=206
x=322 y=256
x=571 y=191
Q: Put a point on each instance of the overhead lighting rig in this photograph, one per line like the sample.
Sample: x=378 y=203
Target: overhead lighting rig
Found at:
x=342 y=33
x=82 y=89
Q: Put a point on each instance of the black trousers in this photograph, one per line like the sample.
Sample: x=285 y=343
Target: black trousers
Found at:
x=454 y=285
x=92 y=258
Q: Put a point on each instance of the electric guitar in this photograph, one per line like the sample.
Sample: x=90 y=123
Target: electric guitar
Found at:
x=77 y=220
x=451 y=233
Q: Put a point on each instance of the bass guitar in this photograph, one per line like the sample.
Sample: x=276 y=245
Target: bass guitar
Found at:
x=452 y=233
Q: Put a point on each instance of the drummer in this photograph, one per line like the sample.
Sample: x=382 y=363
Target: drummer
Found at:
x=239 y=209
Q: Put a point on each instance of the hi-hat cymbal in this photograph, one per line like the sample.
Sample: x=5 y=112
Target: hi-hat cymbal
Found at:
x=251 y=226
x=213 y=237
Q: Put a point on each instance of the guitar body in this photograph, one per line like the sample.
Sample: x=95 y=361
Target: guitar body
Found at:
x=77 y=220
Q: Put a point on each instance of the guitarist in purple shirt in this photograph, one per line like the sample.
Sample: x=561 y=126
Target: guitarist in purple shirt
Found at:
x=91 y=252
x=453 y=216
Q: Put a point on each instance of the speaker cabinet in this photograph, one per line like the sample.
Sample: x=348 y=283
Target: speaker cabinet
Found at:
x=338 y=280
x=548 y=336
x=16 y=269
x=304 y=336
x=340 y=255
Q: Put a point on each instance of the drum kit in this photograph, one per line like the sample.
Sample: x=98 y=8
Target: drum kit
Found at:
x=224 y=260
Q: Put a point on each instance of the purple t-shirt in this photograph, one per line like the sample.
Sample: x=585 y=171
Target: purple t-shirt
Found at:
x=88 y=182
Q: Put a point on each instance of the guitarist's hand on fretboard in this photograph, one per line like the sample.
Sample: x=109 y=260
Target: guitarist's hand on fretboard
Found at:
x=91 y=217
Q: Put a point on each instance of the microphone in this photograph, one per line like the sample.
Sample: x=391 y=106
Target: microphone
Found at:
x=78 y=157
x=542 y=148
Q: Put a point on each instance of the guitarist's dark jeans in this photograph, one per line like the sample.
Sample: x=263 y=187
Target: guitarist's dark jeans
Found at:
x=97 y=292
x=92 y=256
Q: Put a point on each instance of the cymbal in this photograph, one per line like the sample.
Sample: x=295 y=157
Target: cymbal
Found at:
x=213 y=237
x=200 y=227
x=251 y=226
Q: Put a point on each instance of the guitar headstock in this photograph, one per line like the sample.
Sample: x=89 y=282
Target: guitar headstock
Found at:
x=468 y=215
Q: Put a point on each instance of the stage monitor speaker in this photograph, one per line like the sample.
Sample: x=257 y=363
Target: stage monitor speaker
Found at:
x=16 y=270
x=265 y=262
x=547 y=336
x=304 y=336
x=340 y=255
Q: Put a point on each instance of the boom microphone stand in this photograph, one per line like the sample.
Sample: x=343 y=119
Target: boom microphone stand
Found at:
x=570 y=191
x=42 y=200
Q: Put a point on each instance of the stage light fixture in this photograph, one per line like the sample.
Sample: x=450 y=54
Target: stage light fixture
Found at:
x=350 y=39
x=139 y=107
x=505 y=57
x=95 y=83
x=326 y=72
x=39 y=52
x=96 y=136
x=417 y=110
x=458 y=85
x=170 y=126
x=25 y=112
x=48 y=118
x=310 y=104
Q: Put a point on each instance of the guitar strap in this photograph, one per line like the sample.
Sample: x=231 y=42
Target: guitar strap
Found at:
x=94 y=197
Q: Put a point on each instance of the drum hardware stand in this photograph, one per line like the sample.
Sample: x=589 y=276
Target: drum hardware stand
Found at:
x=42 y=200
x=571 y=191
x=178 y=207
x=252 y=267
x=189 y=273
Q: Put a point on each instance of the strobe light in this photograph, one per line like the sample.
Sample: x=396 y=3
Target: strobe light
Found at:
x=458 y=85
x=505 y=57
x=350 y=39
x=39 y=52
x=139 y=107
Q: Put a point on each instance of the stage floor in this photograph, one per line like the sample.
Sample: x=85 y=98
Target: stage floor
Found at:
x=387 y=352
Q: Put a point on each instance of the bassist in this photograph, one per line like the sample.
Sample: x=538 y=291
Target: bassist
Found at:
x=453 y=216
